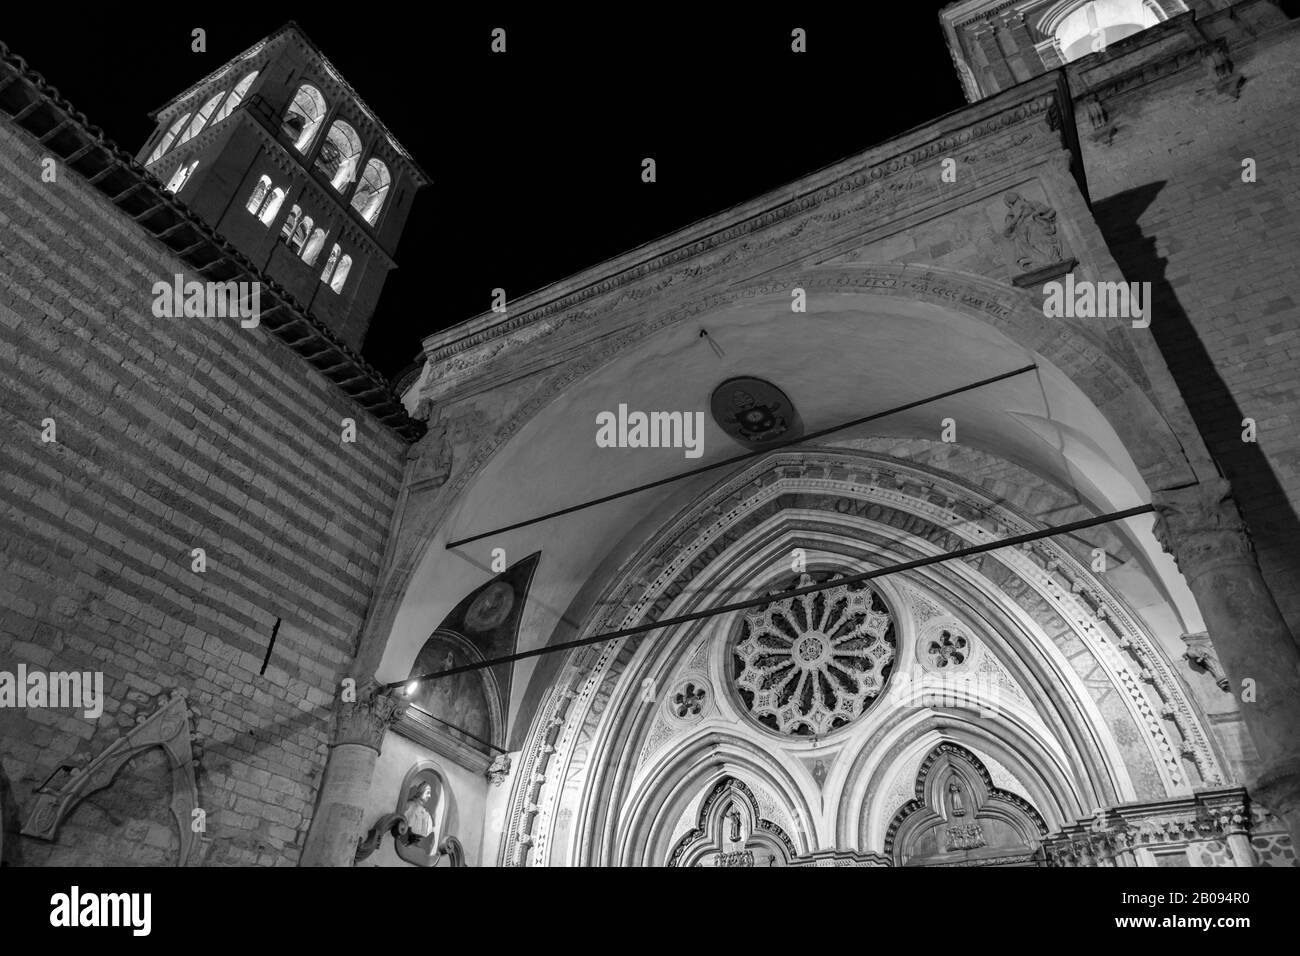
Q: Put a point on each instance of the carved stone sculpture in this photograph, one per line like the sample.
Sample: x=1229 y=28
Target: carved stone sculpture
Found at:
x=1032 y=227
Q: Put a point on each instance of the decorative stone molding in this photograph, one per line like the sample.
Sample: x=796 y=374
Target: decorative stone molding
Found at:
x=366 y=720
x=1187 y=823
x=169 y=728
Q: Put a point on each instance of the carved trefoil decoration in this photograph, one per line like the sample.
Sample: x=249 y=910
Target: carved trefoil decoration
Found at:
x=168 y=728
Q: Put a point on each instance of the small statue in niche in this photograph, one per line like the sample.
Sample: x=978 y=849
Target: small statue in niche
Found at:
x=958 y=805
x=1032 y=227
x=733 y=816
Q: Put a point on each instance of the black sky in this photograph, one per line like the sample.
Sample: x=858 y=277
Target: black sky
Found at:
x=536 y=155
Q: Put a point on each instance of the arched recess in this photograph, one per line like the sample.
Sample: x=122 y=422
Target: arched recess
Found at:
x=1088 y=417
x=647 y=834
x=958 y=817
x=582 y=797
x=731 y=830
x=446 y=819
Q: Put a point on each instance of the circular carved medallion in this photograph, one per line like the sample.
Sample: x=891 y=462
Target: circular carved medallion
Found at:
x=754 y=412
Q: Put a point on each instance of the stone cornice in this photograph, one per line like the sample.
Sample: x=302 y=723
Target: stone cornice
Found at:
x=986 y=121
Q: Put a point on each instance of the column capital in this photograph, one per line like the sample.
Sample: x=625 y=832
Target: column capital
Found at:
x=365 y=720
x=1201 y=527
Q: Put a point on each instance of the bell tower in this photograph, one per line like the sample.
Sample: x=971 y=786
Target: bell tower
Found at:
x=995 y=44
x=282 y=157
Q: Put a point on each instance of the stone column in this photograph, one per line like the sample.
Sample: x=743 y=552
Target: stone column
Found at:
x=340 y=809
x=1202 y=528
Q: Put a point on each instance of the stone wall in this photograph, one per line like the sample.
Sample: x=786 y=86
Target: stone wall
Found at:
x=1221 y=255
x=171 y=435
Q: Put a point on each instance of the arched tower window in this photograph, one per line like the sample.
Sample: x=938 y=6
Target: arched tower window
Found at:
x=313 y=247
x=179 y=178
x=330 y=263
x=201 y=117
x=291 y=222
x=371 y=192
x=259 y=194
x=301 y=231
x=166 y=141
x=340 y=154
x=236 y=96
x=341 y=274
x=272 y=206
x=1096 y=24
x=306 y=113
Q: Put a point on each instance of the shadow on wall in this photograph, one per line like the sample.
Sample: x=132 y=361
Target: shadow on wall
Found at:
x=1273 y=524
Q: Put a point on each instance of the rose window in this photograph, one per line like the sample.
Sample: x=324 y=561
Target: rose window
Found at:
x=813 y=663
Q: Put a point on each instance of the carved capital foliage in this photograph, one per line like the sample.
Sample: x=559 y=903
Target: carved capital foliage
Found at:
x=1201 y=527
x=366 y=720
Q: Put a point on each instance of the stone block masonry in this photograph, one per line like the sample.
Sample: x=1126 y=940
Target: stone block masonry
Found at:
x=1222 y=256
x=170 y=435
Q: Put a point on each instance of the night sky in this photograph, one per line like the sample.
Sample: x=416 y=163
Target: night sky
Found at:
x=536 y=155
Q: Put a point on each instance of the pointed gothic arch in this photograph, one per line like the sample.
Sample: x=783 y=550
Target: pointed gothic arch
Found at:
x=958 y=817
x=620 y=805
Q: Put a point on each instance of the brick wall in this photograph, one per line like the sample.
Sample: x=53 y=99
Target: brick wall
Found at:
x=1223 y=258
x=172 y=434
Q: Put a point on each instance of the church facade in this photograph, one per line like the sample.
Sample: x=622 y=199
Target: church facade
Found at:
x=932 y=510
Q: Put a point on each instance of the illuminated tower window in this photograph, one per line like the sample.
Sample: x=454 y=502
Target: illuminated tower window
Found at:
x=1097 y=24
x=306 y=113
